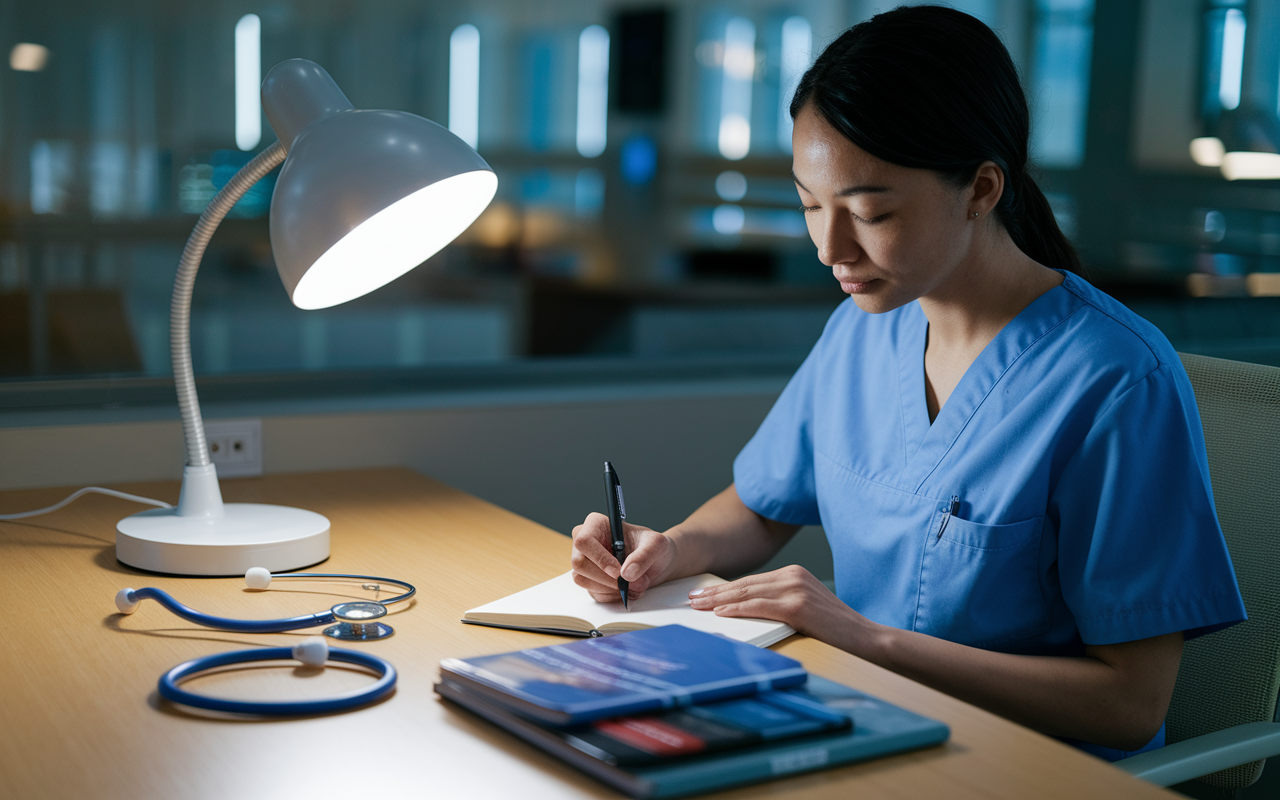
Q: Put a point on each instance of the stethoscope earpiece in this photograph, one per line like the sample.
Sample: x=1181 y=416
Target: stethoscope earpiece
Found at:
x=258 y=578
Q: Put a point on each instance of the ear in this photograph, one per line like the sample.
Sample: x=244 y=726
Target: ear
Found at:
x=986 y=189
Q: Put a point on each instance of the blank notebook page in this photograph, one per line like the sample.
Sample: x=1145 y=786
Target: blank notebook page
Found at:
x=667 y=604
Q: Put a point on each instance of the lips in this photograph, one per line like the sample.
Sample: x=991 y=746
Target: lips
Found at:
x=856 y=285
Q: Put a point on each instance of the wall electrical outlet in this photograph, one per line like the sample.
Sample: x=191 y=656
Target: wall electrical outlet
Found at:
x=235 y=446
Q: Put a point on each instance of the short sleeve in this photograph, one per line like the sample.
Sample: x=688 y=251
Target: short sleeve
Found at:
x=773 y=474
x=1140 y=551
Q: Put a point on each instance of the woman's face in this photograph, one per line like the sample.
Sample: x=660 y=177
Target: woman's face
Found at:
x=890 y=234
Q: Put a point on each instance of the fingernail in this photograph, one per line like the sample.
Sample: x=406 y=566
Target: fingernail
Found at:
x=628 y=573
x=696 y=592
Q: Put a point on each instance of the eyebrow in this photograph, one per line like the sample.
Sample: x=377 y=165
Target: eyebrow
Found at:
x=848 y=191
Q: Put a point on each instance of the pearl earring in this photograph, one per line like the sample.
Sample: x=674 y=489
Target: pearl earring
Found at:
x=975 y=215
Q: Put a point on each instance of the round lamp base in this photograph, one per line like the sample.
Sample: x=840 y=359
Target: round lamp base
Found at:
x=279 y=538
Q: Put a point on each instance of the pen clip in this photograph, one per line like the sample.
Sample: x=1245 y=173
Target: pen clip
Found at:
x=949 y=512
x=622 y=503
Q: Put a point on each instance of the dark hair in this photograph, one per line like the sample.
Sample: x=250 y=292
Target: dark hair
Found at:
x=929 y=87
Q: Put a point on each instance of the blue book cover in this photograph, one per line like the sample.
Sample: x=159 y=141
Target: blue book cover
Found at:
x=878 y=729
x=629 y=673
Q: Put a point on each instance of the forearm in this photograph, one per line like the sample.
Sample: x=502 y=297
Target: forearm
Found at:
x=726 y=538
x=1083 y=698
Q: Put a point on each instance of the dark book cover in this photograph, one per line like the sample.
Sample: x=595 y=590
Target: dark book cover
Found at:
x=630 y=673
x=878 y=729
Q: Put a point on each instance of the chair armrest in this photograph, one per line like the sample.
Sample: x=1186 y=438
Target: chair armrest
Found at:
x=1193 y=758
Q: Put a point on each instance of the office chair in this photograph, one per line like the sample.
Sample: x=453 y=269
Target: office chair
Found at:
x=1222 y=720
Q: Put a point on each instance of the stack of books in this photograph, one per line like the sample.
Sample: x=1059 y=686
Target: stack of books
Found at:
x=672 y=711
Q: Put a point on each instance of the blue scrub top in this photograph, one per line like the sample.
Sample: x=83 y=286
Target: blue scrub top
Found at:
x=1074 y=446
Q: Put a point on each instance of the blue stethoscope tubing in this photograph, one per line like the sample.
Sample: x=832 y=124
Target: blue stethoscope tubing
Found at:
x=226 y=623
x=170 y=690
x=266 y=625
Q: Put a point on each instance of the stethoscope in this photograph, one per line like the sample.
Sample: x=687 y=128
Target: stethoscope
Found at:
x=355 y=621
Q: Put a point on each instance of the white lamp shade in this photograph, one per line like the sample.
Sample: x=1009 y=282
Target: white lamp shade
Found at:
x=363 y=196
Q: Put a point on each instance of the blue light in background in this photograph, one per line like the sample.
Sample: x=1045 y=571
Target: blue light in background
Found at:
x=538 y=54
x=639 y=160
x=257 y=201
x=1059 y=88
x=588 y=193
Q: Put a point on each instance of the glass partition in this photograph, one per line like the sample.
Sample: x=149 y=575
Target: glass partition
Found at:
x=645 y=209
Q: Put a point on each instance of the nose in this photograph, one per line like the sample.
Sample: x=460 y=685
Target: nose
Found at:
x=835 y=240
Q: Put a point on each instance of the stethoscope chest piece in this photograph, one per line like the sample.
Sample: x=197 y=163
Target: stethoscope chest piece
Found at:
x=358 y=622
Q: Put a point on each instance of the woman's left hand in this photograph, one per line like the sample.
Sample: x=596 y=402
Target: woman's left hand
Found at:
x=791 y=595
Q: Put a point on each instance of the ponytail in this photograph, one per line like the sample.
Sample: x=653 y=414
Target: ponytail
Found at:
x=1034 y=229
x=929 y=87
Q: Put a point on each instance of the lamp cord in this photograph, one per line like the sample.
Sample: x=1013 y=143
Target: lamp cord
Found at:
x=180 y=307
x=98 y=489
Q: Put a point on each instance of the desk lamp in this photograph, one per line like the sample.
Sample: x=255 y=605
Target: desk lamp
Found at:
x=363 y=197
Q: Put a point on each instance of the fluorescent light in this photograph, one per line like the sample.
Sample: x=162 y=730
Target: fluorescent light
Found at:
x=735 y=94
x=395 y=240
x=728 y=219
x=1207 y=151
x=108 y=177
x=248 y=82
x=1240 y=165
x=593 y=90
x=464 y=83
x=1233 y=28
x=797 y=44
x=28 y=57
x=51 y=172
x=731 y=185
x=735 y=136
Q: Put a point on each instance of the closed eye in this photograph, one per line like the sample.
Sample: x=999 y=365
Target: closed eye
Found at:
x=872 y=221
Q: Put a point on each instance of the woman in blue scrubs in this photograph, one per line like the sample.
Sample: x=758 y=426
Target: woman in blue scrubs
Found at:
x=1007 y=463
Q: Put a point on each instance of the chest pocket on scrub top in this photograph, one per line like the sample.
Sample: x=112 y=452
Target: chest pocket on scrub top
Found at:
x=980 y=584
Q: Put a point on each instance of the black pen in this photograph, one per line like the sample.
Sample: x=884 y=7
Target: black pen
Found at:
x=617 y=513
x=951 y=511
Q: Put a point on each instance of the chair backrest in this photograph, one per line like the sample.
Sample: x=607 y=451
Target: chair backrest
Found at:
x=1232 y=676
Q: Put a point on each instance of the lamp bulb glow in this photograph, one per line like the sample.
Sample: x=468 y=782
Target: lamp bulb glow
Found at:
x=395 y=240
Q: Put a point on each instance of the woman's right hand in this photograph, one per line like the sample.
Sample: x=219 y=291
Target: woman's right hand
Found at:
x=650 y=558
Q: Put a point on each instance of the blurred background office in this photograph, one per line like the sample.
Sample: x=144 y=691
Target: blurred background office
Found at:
x=645 y=209
x=645 y=244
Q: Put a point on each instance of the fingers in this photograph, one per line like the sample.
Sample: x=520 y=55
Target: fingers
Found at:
x=594 y=566
x=642 y=563
x=596 y=569
x=592 y=553
x=735 y=591
x=780 y=595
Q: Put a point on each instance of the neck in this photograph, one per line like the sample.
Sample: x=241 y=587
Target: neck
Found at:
x=984 y=292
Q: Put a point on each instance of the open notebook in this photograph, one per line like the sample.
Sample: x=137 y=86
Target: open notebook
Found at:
x=561 y=606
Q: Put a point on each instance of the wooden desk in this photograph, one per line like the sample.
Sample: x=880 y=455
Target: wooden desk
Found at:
x=80 y=717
